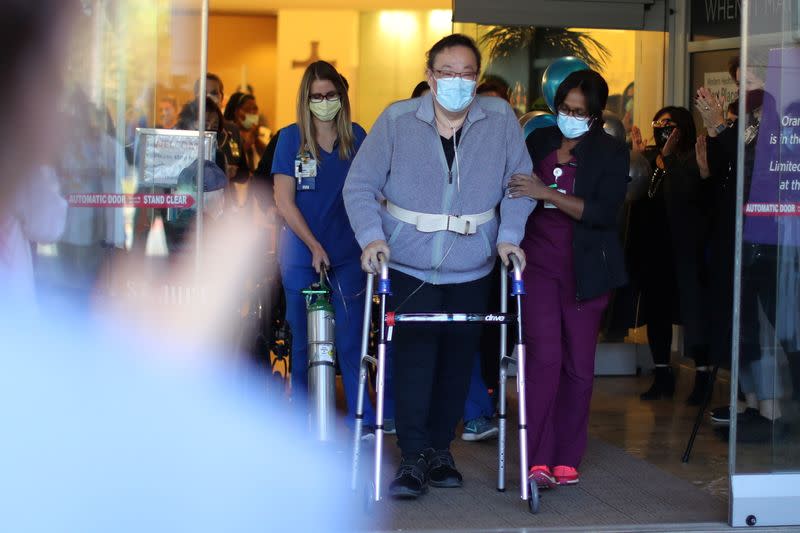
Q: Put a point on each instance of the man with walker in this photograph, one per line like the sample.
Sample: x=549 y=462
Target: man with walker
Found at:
x=427 y=193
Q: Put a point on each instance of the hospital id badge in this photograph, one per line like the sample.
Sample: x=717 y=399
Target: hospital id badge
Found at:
x=549 y=205
x=305 y=171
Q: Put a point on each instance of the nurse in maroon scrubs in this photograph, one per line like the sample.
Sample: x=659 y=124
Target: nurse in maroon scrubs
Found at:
x=575 y=259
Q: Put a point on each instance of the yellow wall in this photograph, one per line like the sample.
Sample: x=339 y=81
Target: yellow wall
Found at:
x=620 y=68
x=381 y=53
x=337 y=33
x=649 y=95
x=392 y=54
x=178 y=62
x=249 y=43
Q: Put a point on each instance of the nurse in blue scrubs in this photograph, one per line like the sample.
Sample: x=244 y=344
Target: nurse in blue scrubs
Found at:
x=311 y=163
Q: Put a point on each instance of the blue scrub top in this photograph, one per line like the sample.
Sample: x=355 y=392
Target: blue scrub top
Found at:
x=322 y=208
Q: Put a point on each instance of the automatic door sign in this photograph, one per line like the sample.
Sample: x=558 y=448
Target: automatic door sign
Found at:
x=161 y=155
x=772 y=196
x=155 y=201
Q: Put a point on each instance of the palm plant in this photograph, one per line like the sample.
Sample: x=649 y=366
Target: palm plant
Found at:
x=508 y=41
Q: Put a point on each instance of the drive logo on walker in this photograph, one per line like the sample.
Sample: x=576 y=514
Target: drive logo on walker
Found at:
x=494 y=318
x=305 y=171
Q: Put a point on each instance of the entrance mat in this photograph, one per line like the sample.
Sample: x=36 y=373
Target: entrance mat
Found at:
x=616 y=490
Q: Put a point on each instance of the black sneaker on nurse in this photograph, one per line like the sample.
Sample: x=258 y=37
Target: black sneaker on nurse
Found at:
x=411 y=480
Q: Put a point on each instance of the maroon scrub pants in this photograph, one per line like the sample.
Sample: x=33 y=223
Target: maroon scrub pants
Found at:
x=560 y=334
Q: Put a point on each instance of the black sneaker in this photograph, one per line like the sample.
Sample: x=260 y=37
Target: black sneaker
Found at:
x=442 y=471
x=758 y=429
x=752 y=428
x=721 y=416
x=411 y=479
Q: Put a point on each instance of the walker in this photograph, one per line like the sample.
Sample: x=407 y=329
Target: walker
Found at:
x=528 y=489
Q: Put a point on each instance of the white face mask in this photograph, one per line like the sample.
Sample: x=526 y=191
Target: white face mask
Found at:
x=455 y=94
x=250 y=120
x=572 y=127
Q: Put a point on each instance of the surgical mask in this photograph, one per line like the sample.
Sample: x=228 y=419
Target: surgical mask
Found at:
x=572 y=127
x=325 y=110
x=662 y=134
x=250 y=120
x=455 y=94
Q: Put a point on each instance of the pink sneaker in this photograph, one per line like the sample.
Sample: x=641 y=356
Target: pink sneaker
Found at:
x=566 y=475
x=543 y=477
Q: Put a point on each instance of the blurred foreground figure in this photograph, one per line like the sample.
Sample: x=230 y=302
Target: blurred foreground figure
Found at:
x=105 y=430
x=36 y=214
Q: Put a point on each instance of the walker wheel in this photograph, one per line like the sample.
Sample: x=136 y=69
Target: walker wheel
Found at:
x=533 y=497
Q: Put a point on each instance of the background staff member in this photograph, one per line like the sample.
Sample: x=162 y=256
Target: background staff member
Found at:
x=440 y=161
x=576 y=258
x=310 y=165
x=668 y=232
x=231 y=143
x=242 y=110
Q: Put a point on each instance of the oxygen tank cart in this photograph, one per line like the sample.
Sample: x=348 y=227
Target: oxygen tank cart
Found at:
x=321 y=360
x=528 y=489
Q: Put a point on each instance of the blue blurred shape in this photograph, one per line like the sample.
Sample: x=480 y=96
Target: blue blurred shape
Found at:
x=556 y=73
x=108 y=430
x=535 y=120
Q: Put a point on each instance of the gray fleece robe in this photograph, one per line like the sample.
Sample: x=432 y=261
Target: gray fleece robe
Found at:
x=402 y=160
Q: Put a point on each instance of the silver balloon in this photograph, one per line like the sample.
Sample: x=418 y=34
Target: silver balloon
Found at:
x=613 y=126
x=639 y=174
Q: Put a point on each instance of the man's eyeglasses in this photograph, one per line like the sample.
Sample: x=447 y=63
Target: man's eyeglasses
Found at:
x=318 y=98
x=564 y=109
x=469 y=76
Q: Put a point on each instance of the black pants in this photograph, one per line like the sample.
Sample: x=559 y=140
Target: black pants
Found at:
x=658 y=315
x=759 y=290
x=490 y=337
x=432 y=362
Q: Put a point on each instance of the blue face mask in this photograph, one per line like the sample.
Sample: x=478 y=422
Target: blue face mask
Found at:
x=572 y=127
x=454 y=94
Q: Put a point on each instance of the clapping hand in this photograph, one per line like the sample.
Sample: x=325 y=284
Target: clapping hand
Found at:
x=711 y=108
x=637 y=141
x=672 y=143
x=701 y=153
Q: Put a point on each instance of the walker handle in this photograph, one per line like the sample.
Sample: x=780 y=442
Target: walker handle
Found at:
x=517 y=286
x=384 y=286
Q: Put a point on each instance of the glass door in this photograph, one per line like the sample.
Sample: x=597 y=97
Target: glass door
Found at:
x=128 y=167
x=764 y=437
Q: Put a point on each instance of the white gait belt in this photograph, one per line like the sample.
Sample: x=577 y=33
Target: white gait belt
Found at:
x=428 y=223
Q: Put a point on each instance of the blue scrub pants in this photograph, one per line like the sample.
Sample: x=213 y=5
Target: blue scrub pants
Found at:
x=478 y=403
x=352 y=281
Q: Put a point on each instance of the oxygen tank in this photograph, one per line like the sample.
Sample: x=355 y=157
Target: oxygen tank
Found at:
x=321 y=360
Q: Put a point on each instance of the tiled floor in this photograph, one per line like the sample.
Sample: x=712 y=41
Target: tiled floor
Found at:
x=657 y=431
x=644 y=441
x=632 y=474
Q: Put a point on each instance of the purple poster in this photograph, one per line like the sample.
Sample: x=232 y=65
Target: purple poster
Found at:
x=772 y=197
